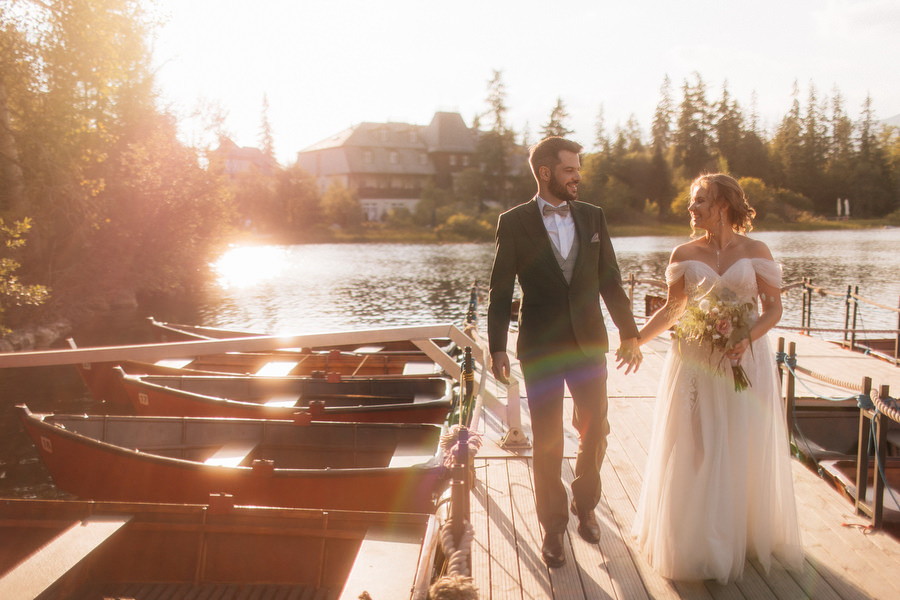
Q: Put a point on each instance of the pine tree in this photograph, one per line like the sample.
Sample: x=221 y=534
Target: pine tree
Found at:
x=556 y=126
x=661 y=131
x=787 y=145
x=266 y=140
x=601 y=140
x=728 y=131
x=691 y=140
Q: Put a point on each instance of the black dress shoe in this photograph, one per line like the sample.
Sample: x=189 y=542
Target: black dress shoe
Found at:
x=588 y=528
x=552 y=552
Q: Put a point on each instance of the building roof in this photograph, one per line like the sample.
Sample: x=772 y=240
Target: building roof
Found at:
x=401 y=148
x=447 y=132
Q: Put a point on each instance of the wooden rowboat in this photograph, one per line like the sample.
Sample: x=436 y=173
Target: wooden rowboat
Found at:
x=342 y=466
x=74 y=550
x=105 y=385
x=395 y=400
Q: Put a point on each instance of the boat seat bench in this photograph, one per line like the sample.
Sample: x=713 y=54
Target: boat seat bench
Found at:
x=43 y=568
x=384 y=559
x=407 y=455
x=232 y=454
x=283 y=400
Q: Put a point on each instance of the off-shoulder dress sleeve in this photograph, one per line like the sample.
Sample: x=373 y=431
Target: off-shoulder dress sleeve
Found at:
x=674 y=272
x=768 y=270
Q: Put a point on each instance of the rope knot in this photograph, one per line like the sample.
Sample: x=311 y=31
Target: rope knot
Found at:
x=450 y=444
x=864 y=402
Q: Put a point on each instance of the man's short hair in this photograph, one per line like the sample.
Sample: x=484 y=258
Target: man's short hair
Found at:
x=546 y=152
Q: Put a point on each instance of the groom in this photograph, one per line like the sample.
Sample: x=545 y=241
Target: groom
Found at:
x=560 y=251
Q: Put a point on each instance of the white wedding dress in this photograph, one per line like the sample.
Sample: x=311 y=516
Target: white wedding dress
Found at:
x=717 y=487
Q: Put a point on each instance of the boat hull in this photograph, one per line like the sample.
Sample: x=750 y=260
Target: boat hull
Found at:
x=189 y=551
x=410 y=400
x=353 y=466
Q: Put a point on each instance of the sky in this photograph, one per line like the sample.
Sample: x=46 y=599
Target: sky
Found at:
x=326 y=65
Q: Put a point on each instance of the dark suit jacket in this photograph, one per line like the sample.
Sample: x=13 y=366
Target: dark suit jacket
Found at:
x=552 y=311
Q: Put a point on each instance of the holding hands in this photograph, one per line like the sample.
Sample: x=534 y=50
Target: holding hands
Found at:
x=629 y=355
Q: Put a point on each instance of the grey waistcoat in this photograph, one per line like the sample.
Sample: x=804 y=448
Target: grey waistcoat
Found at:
x=567 y=265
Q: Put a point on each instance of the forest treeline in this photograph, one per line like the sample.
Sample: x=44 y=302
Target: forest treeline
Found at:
x=98 y=194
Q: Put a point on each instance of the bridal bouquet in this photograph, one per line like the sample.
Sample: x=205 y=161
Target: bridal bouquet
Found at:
x=717 y=322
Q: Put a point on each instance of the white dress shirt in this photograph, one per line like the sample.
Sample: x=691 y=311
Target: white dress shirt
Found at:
x=560 y=229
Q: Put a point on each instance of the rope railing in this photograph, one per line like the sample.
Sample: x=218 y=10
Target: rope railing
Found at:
x=876 y=407
x=884 y=410
x=790 y=364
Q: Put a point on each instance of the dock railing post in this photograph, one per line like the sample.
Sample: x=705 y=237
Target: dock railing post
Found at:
x=789 y=396
x=882 y=422
x=781 y=362
x=875 y=509
x=804 y=293
x=855 y=311
x=847 y=316
x=631 y=291
x=862 y=449
x=897 y=339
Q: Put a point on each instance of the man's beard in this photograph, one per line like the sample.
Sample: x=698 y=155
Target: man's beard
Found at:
x=561 y=191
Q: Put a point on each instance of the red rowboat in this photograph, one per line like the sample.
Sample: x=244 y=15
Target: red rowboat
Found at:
x=395 y=400
x=344 y=466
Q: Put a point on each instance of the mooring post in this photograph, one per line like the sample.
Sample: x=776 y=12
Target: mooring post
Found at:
x=847 y=316
x=897 y=339
x=780 y=362
x=866 y=414
x=459 y=487
x=855 y=311
x=803 y=295
x=631 y=290
x=789 y=398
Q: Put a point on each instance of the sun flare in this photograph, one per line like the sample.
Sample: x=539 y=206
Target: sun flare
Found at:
x=243 y=267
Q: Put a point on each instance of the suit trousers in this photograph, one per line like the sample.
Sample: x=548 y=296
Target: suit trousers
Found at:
x=545 y=377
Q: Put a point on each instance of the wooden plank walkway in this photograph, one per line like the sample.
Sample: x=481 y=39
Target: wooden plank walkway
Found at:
x=844 y=560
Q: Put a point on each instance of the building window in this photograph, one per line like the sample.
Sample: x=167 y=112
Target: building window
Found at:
x=413 y=138
x=396 y=183
x=367 y=157
x=465 y=160
x=423 y=158
x=395 y=158
x=452 y=160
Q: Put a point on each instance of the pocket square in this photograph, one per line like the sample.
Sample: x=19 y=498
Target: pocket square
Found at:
x=596 y=238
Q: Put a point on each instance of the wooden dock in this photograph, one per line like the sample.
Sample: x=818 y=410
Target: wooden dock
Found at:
x=844 y=560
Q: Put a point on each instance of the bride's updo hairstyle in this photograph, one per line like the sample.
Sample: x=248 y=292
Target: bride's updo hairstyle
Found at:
x=725 y=188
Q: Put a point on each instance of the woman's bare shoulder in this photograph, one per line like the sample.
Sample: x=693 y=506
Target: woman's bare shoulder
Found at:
x=756 y=249
x=687 y=251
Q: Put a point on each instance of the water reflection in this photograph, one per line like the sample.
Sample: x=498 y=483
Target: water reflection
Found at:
x=333 y=287
x=246 y=266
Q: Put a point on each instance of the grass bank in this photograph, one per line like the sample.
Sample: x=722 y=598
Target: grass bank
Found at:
x=378 y=233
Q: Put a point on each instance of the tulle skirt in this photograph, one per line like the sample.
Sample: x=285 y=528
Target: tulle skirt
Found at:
x=717 y=488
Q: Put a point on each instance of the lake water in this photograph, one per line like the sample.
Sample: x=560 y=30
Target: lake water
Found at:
x=304 y=289
x=332 y=287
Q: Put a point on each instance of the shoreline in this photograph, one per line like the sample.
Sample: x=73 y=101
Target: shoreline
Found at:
x=377 y=234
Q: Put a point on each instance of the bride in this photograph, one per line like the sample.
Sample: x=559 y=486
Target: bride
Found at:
x=717 y=488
